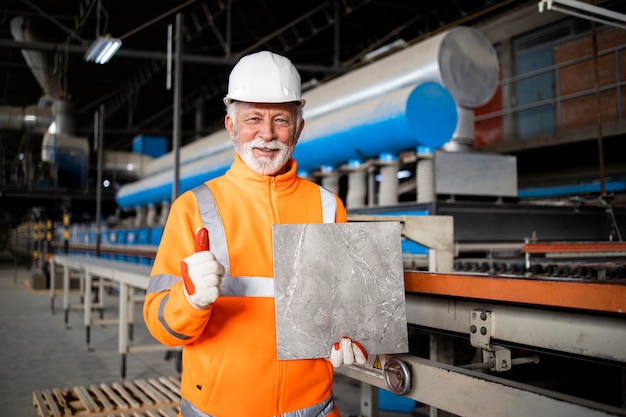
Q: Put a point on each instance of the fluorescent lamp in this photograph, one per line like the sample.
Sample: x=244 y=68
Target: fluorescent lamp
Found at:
x=102 y=49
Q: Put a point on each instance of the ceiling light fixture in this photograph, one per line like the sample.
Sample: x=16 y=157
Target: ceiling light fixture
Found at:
x=102 y=49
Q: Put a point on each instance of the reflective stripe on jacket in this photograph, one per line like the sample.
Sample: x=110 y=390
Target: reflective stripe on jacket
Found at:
x=229 y=357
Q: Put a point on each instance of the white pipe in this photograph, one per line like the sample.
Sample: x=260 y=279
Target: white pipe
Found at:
x=464 y=135
x=165 y=211
x=425 y=172
x=140 y=216
x=357 y=184
x=388 y=190
x=461 y=60
x=151 y=215
x=330 y=179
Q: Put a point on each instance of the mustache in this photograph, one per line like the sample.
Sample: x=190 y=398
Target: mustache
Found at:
x=263 y=144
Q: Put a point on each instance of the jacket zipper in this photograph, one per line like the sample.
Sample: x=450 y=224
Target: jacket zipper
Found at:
x=274 y=202
x=276 y=220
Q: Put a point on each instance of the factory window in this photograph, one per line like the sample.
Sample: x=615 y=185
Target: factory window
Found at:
x=553 y=87
x=535 y=90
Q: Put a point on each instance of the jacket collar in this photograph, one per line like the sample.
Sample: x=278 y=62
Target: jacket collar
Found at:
x=248 y=180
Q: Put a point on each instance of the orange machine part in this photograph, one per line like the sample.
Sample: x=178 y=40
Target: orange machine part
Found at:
x=565 y=247
x=596 y=296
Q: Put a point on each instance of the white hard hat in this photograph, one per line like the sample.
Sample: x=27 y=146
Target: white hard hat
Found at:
x=264 y=77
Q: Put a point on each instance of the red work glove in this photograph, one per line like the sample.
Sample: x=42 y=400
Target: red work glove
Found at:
x=347 y=352
x=202 y=273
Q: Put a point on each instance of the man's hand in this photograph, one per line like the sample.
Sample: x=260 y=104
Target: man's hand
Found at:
x=347 y=352
x=202 y=273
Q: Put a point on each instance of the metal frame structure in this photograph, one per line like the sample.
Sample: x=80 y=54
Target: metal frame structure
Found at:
x=128 y=276
x=499 y=315
x=578 y=319
x=584 y=11
x=473 y=394
x=494 y=326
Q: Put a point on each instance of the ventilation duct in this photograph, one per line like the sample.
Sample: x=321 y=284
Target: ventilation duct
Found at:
x=60 y=138
x=124 y=166
x=37 y=61
x=35 y=118
x=32 y=118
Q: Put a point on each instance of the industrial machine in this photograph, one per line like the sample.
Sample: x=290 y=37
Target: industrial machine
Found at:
x=515 y=306
x=487 y=343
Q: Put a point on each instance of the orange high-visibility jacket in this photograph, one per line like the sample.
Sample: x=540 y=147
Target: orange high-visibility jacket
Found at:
x=229 y=350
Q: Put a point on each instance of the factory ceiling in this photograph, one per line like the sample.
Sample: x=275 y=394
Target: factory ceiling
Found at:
x=323 y=39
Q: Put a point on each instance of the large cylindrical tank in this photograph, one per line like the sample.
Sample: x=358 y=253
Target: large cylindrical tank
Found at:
x=355 y=112
x=202 y=148
x=461 y=59
x=158 y=187
x=394 y=122
x=391 y=123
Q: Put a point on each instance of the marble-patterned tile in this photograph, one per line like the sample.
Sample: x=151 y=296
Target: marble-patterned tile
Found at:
x=334 y=280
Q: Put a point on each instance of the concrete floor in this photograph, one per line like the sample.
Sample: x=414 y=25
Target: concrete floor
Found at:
x=40 y=352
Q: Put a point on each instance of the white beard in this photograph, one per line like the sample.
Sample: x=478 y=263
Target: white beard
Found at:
x=264 y=165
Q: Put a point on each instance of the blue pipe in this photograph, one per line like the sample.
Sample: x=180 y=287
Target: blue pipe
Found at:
x=427 y=116
x=573 y=189
x=396 y=122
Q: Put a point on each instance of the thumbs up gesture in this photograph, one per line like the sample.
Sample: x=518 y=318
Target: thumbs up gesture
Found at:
x=202 y=273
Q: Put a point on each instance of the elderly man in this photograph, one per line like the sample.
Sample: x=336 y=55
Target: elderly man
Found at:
x=211 y=287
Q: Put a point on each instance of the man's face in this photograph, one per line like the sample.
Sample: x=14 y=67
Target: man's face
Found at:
x=264 y=134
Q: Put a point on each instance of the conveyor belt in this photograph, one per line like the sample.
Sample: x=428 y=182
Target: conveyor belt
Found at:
x=544 y=268
x=583 y=295
x=140 y=398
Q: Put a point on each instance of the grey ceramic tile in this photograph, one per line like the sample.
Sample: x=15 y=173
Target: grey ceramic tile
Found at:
x=334 y=280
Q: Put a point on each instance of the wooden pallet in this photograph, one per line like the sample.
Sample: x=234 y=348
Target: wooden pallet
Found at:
x=139 y=398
